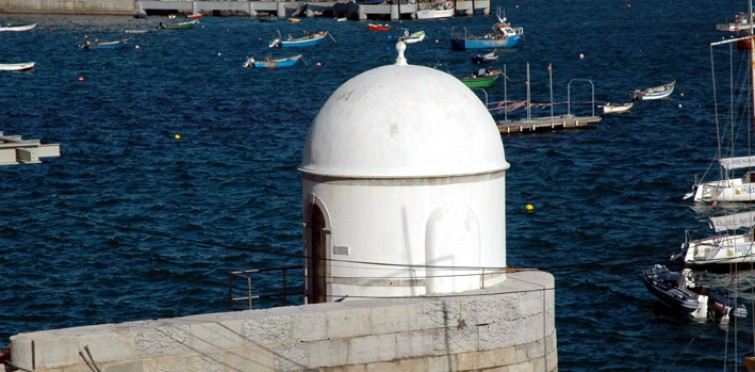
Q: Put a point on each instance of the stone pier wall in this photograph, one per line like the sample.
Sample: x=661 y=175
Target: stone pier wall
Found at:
x=509 y=327
x=94 y=7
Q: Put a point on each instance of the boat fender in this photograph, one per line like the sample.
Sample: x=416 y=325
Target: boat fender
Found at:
x=701 y=312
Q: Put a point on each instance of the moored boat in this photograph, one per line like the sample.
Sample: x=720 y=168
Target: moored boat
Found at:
x=612 y=107
x=742 y=22
x=659 y=92
x=486 y=58
x=413 y=38
x=195 y=16
x=24 y=66
x=679 y=292
x=304 y=41
x=268 y=62
x=24 y=27
x=503 y=36
x=179 y=25
x=436 y=9
x=379 y=27
x=97 y=44
x=482 y=78
x=724 y=249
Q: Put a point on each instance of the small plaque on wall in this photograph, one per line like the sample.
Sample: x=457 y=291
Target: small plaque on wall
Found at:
x=341 y=250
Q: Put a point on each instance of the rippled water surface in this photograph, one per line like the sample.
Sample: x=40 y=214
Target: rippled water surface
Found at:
x=130 y=223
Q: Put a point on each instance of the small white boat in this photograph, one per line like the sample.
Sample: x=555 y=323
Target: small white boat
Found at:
x=25 y=66
x=436 y=9
x=611 y=107
x=414 y=37
x=658 y=92
x=9 y=27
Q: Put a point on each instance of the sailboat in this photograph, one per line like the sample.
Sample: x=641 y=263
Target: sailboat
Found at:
x=737 y=172
x=726 y=248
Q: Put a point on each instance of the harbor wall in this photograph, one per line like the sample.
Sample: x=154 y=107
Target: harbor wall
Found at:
x=508 y=327
x=94 y=7
x=249 y=8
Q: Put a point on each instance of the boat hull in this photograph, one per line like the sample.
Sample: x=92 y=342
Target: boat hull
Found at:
x=274 y=63
x=720 y=250
x=612 y=108
x=673 y=290
x=482 y=43
x=18 y=28
x=106 y=45
x=26 y=66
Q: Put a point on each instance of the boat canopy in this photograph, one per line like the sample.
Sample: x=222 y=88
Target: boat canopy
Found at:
x=738 y=162
x=733 y=221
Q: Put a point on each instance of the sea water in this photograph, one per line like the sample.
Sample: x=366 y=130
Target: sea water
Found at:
x=178 y=165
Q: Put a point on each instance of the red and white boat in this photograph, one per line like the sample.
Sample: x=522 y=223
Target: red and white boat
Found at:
x=380 y=27
x=195 y=15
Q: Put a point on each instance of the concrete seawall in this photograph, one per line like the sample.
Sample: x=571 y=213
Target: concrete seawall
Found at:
x=508 y=327
x=250 y=8
x=95 y=7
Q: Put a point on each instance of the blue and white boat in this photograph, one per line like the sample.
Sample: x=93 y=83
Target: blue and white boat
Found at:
x=503 y=36
x=268 y=62
x=304 y=41
x=679 y=292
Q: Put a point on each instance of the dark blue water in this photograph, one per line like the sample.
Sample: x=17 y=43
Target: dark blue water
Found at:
x=130 y=223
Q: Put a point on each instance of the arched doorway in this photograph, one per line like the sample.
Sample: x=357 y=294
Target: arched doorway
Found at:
x=316 y=257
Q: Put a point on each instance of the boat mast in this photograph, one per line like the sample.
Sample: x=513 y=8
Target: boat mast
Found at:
x=505 y=95
x=528 y=91
x=550 y=81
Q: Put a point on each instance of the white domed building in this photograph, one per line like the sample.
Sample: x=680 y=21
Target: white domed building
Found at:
x=404 y=188
x=404 y=212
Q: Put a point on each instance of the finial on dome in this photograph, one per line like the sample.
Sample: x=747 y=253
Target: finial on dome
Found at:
x=401 y=47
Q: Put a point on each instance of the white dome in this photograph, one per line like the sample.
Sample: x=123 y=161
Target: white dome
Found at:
x=403 y=121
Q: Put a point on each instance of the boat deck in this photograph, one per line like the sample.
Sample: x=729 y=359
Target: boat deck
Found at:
x=547 y=124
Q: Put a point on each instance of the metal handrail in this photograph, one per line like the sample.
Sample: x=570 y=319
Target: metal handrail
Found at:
x=246 y=275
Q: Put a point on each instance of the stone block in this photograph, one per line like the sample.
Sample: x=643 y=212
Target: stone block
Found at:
x=117 y=344
x=266 y=330
x=502 y=334
x=414 y=344
x=162 y=338
x=391 y=319
x=57 y=351
x=327 y=353
x=309 y=326
x=256 y=359
x=454 y=340
x=353 y=322
x=441 y=363
x=291 y=358
x=206 y=337
x=371 y=349
x=486 y=359
x=126 y=366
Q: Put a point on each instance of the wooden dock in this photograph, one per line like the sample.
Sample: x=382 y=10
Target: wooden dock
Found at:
x=547 y=124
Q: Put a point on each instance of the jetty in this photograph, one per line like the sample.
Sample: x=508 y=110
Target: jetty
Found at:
x=548 y=123
x=15 y=150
